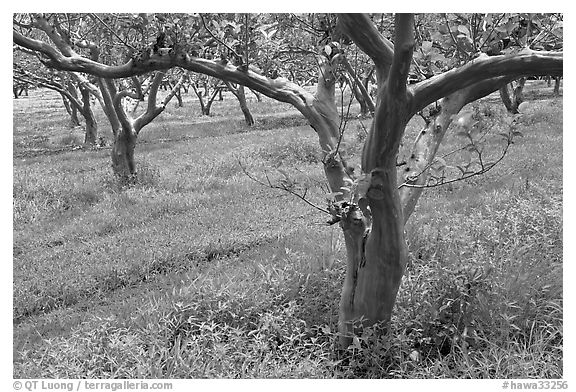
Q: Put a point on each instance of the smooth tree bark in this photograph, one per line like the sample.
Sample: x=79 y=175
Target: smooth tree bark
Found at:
x=70 y=108
x=238 y=91
x=372 y=214
x=557 y=85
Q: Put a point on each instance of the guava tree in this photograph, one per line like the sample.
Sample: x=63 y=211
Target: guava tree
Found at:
x=450 y=40
x=368 y=204
x=96 y=37
x=75 y=89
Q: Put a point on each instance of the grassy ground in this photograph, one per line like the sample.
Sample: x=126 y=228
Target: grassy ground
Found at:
x=199 y=272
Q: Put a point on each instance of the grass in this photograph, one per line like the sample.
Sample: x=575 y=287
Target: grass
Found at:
x=197 y=272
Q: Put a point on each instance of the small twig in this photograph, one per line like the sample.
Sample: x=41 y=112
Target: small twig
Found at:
x=282 y=187
x=483 y=169
x=112 y=31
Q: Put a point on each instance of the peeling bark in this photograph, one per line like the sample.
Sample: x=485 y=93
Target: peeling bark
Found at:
x=373 y=278
x=239 y=93
x=423 y=152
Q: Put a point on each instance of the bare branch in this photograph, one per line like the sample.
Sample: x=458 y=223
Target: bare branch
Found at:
x=527 y=63
x=362 y=31
x=282 y=187
x=484 y=168
x=110 y=29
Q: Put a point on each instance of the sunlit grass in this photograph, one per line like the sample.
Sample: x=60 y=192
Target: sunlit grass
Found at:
x=199 y=272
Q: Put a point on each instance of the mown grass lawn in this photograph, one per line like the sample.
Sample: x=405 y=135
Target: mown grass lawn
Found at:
x=199 y=272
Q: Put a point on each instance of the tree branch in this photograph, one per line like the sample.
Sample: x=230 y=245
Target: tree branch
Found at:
x=358 y=84
x=366 y=36
x=525 y=63
x=153 y=110
x=403 y=50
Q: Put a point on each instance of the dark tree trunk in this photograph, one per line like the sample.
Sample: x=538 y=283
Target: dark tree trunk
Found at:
x=179 y=98
x=363 y=106
x=244 y=106
x=512 y=101
x=557 y=85
x=72 y=111
x=71 y=108
x=91 y=131
x=123 y=163
x=19 y=89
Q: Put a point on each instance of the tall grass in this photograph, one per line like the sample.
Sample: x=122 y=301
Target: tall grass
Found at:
x=199 y=272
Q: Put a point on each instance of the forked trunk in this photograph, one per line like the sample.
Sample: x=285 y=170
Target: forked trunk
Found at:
x=513 y=100
x=372 y=222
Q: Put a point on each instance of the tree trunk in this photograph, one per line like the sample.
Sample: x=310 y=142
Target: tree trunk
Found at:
x=257 y=95
x=91 y=131
x=506 y=100
x=70 y=108
x=123 y=163
x=511 y=102
x=244 y=106
x=557 y=85
x=375 y=242
x=72 y=111
x=179 y=98
x=519 y=92
x=376 y=258
x=364 y=110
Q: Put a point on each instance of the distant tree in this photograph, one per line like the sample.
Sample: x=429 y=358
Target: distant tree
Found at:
x=75 y=92
x=110 y=93
x=367 y=204
x=206 y=89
